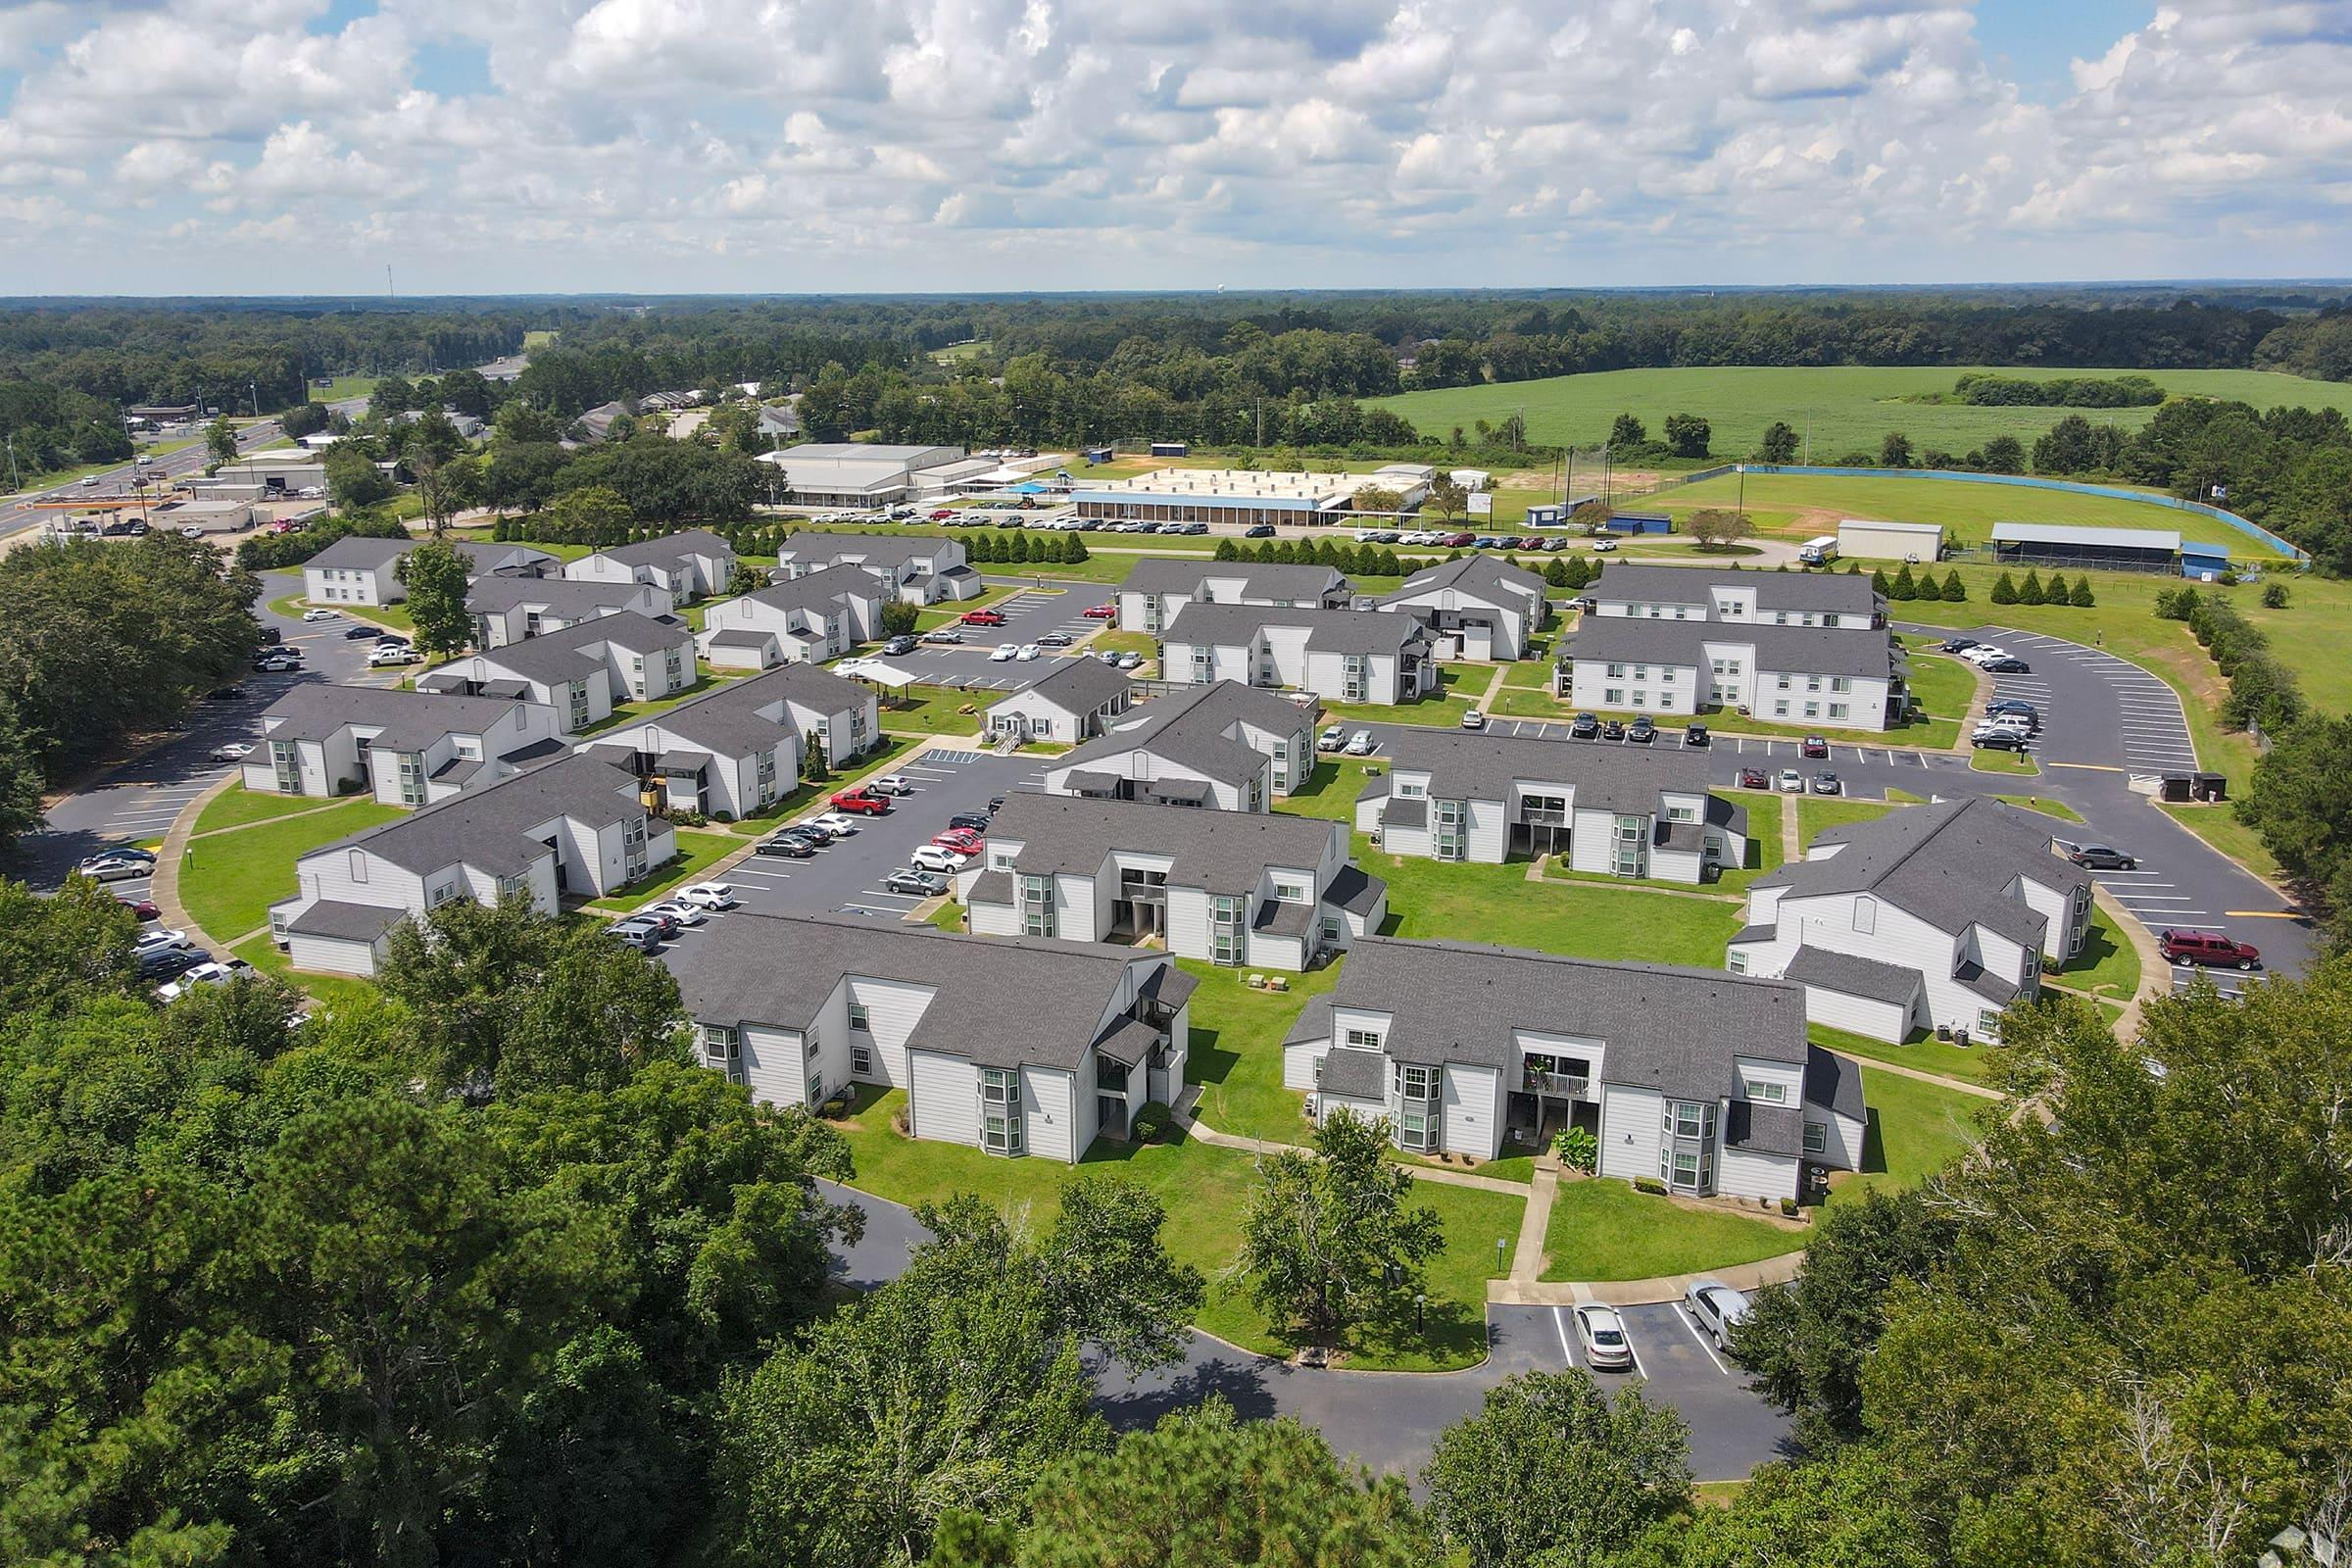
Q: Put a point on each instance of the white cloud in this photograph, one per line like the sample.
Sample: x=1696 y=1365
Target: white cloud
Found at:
x=1187 y=142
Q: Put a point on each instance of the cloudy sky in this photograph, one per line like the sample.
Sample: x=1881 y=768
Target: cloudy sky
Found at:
x=482 y=146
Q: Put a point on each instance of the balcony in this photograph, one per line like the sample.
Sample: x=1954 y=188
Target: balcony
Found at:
x=1558 y=1085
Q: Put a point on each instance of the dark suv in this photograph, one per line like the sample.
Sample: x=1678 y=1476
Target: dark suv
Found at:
x=2207 y=948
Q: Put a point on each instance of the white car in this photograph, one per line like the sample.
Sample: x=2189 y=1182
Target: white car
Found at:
x=1361 y=743
x=211 y=973
x=707 y=896
x=1715 y=1307
x=234 y=751
x=390 y=655
x=1006 y=653
x=157 y=940
x=1332 y=739
x=678 y=910
x=891 y=784
x=1601 y=1332
x=1791 y=782
x=933 y=858
x=320 y=614
x=1603 y=546
x=1984 y=653
x=1028 y=651
x=840 y=825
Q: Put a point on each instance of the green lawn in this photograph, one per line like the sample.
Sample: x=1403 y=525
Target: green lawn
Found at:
x=1841 y=409
x=344 y=386
x=1205 y=1192
x=1973 y=1065
x=1528 y=702
x=1944 y=686
x=1330 y=792
x=228 y=883
x=2018 y=762
x=1601 y=1229
x=1457 y=683
x=1916 y=1129
x=696 y=853
x=2045 y=805
x=239 y=807
x=935 y=711
x=1431 y=900
x=1817 y=812
x=630 y=712
x=1532 y=671
x=2107 y=963
x=263 y=955
x=1236 y=1050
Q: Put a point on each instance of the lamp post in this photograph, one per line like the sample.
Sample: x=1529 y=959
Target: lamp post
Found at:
x=1420 y=1302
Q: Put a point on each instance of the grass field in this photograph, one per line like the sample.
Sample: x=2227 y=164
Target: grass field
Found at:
x=1604 y=1230
x=1588 y=920
x=697 y=852
x=229 y=882
x=1801 y=504
x=1206 y=1191
x=1916 y=1129
x=1817 y=812
x=935 y=711
x=1236 y=1050
x=2108 y=963
x=239 y=807
x=1458 y=686
x=1841 y=408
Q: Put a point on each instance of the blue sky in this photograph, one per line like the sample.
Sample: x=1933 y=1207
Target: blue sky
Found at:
x=529 y=145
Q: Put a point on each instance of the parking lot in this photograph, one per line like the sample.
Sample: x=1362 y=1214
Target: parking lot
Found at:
x=1029 y=615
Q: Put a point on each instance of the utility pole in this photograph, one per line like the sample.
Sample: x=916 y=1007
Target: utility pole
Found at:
x=16 y=476
x=389 y=291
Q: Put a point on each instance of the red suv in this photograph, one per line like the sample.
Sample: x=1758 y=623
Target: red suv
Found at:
x=983 y=618
x=860 y=802
x=2207 y=948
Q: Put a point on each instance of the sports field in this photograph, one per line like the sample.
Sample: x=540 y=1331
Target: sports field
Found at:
x=1800 y=506
x=1844 y=407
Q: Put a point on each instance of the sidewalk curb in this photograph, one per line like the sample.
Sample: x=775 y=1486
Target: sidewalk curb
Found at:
x=164 y=886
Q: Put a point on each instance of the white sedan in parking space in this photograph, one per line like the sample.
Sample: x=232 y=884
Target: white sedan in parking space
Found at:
x=1601 y=1332
x=1006 y=653
x=707 y=896
x=891 y=784
x=677 y=910
x=1716 y=1308
x=840 y=825
x=1791 y=782
x=1028 y=651
x=234 y=751
x=320 y=614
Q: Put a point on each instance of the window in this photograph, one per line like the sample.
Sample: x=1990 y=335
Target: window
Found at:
x=1817 y=1138
x=1764 y=1093
x=1412 y=791
x=1226 y=944
x=1615 y=672
x=999 y=1111
x=1737 y=963
x=1812 y=710
x=1784 y=682
x=1448 y=838
x=1544 y=810
x=817 y=1089
x=1866 y=914
x=1812 y=683
x=1685 y=1118
x=1290 y=893
x=1612 y=696
x=1839 y=710
x=287 y=765
x=1681 y=813
x=1780 y=710
x=1838 y=683
x=1364 y=1039
x=357 y=865
x=858 y=1019
x=1989 y=1022
x=1110 y=1076
x=1037 y=906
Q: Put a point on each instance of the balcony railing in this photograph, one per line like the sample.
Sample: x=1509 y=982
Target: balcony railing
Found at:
x=1562 y=1085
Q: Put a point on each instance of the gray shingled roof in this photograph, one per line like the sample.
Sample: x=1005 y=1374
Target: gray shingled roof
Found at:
x=561 y=596
x=1856 y=650
x=1189 y=726
x=1474 y=766
x=1852 y=975
x=1623 y=582
x=491 y=828
x=1949 y=863
x=817 y=591
x=1671 y=1029
x=1765 y=1129
x=862 y=549
x=405 y=721
x=668 y=549
x=1355 y=1074
x=1327 y=631
x=1832 y=1081
x=556 y=656
x=1221 y=852
x=344 y=922
x=354 y=553
x=729 y=722
x=1003 y=1001
x=1484 y=575
x=1173 y=575
x=1356 y=890
x=1079 y=685
x=1314 y=1023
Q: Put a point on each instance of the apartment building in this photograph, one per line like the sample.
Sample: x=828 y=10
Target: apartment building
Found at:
x=744 y=747
x=1161 y=585
x=1342 y=655
x=405 y=747
x=1226 y=746
x=507 y=610
x=581 y=672
x=1479 y=606
x=1819 y=676
x=804 y=619
x=915 y=568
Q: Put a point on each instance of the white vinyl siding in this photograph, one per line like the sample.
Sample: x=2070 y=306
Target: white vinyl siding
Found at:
x=1473 y=1123
x=1749 y=1173
x=1049 y=1120
x=1630 y=1132
x=944 y=1098
x=892 y=1009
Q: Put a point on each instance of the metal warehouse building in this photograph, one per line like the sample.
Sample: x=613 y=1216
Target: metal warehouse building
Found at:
x=1889 y=541
x=2049 y=544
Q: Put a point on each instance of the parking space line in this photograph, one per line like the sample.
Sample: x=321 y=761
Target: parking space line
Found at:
x=1700 y=1338
x=1560 y=1321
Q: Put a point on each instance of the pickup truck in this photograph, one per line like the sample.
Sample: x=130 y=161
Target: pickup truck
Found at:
x=860 y=802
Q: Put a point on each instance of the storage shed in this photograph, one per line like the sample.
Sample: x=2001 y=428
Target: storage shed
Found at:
x=1914 y=542
x=1640 y=522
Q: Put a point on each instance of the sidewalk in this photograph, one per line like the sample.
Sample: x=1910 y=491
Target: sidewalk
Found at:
x=1515 y=1292
x=164 y=887
x=1195 y=1128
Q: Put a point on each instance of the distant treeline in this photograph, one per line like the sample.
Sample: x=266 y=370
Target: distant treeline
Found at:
x=2058 y=392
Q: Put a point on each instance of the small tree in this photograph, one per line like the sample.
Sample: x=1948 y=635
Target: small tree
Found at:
x=434 y=575
x=899 y=618
x=1878 y=583
x=2004 y=591
x=2004 y=453
x=1928 y=587
x=2031 y=592
x=1225 y=550
x=1778 y=444
x=1627 y=432
x=1328 y=1241
x=2081 y=597
x=221 y=440
x=1446 y=498
x=1903 y=586
x=2055 y=592
x=1714 y=527
x=1954 y=590
x=813 y=758
x=1895 y=450
x=2273 y=595
x=1688 y=435
x=1578 y=1148
x=1376 y=499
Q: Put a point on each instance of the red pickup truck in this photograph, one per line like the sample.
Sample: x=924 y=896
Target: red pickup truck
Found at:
x=983 y=618
x=860 y=802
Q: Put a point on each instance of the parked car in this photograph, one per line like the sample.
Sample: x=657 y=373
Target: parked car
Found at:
x=1790 y=782
x=932 y=857
x=1977 y=652
x=162 y=963
x=677 y=911
x=2101 y=858
x=161 y=936
x=1130 y=661
x=1956 y=645
x=1603 y=546
x=663 y=926
x=140 y=908
x=922 y=884
x=1027 y=652
x=1006 y=653
x=899 y=645
x=2009 y=666
x=1998 y=740
x=982 y=617
x=1826 y=782
x=808 y=833
x=837 y=823
x=353 y=634
x=320 y=614
x=1055 y=639
x=1645 y=730
x=385 y=656
x=1333 y=737
x=2209 y=948
x=888 y=784
x=1814 y=748
x=224 y=694
x=280 y=664
x=233 y=752
x=1472 y=719
x=2016 y=706
x=1361 y=743
x=791 y=846
x=863 y=802
x=707 y=895
x=115 y=868
x=1716 y=1308
x=1754 y=778
x=1259 y=530
x=1612 y=729
x=1696 y=735
x=1601 y=1332
x=634 y=932
x=943 y=635
x=204 y=973
x=1584 y=727
x=977 y=821
x=962 y=839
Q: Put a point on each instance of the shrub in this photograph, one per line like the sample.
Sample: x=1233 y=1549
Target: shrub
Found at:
x=1789 y=1207
x=2031 y=591
x=1650 y=1185
x=2175 y=603
x=2004 y=591
x=1578 y=1148
x=1903 y=586
x=2057 y=591
x=1956 y=591
x=2081 y=597
x=2274 y=597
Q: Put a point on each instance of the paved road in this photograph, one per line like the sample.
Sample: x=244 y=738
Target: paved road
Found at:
x=19 y=515
x=1390 y=1419
x=138 y=800
x=1032 y=613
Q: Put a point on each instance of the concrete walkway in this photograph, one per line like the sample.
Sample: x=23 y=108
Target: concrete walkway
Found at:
x=1962 y=1085
x=1527 y=1259
x=1194 y=1127
x=1516 y=1292
x=1793 y=839
x=177 y=851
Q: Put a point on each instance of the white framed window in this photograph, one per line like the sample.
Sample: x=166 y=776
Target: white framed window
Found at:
x=1866 y=914
x=1737 y=963
x=858 y=1019
x=1364 y=1039
x=1290 y=893
x=1817 y=1138
x=1764 y=1093
x=862 y=1061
